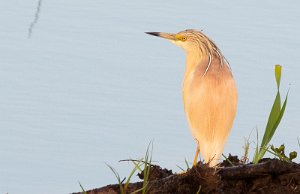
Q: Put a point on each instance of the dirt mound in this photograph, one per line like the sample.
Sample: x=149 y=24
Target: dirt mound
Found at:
x=269 y=176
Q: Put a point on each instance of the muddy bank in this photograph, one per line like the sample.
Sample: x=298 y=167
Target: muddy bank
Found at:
x=269 y=176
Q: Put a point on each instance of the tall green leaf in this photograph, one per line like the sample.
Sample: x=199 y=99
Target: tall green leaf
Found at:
x=275 y=111
x=274 y=119
x=281 y=113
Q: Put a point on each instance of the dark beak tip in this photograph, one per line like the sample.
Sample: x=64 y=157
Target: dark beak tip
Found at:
x=153 y=33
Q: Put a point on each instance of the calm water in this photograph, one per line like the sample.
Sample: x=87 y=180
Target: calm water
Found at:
x=90 y=87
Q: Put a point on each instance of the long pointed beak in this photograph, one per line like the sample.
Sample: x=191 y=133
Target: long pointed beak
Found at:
x=163 y=35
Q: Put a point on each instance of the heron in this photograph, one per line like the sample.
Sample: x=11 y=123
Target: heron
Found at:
x=209 y=93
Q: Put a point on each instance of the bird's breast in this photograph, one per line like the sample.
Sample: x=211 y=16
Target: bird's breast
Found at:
x=207 y=96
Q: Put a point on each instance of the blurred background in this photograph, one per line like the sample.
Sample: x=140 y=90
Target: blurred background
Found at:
x=82 y=85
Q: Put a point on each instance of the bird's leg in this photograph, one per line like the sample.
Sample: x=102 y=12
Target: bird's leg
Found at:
x=196 y=156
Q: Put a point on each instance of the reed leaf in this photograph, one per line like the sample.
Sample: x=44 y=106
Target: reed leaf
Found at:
x=274 y=119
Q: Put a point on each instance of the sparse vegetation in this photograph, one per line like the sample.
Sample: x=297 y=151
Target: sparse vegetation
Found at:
x=186 y=164
x=275 y=116
x=142 y=165
x=280 y=153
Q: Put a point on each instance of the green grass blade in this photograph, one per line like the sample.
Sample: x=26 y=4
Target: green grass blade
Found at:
x=84 y=192
x=255 y=159
x=262 y=152
x=147 y=167
x=280 y=114
x=275 y=111
x=136 y=167
x=137 y=164
x=180 y=167
x=118 y=178
x=187 y=163
x=227 y=160
x=270 y=134
x=274 y=119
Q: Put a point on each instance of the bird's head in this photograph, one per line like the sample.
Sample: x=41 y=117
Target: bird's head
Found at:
x=189 y=40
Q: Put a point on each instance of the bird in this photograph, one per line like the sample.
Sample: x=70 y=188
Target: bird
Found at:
x=209 y=93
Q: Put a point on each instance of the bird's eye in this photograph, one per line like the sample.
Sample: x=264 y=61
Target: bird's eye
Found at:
x=183 y=38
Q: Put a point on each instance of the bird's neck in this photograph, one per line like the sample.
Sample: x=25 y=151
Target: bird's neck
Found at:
x=192 y=60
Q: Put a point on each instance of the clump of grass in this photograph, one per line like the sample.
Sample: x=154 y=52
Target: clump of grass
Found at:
x=186 y=164
x=143 y=164
x=147 y=167
x=274 y=119
x=280 y=153
x=122 y=188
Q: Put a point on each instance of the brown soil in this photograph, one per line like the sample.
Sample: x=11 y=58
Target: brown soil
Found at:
x=269 y=176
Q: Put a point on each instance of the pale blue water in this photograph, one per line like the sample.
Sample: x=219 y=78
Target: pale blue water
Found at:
x=90 y=87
